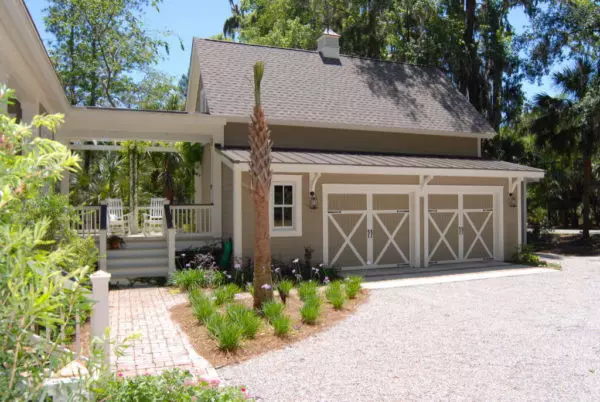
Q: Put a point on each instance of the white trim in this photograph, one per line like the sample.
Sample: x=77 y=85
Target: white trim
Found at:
x=392 y=170
x=216 y=188
x=416 y=225
x=519 y=214
x=237 y=215
x=524 y=214
x=296 y=182
x=343 y=126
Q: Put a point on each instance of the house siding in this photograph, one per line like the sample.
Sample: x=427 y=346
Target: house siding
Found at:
x=285 y=248
x=313 y=138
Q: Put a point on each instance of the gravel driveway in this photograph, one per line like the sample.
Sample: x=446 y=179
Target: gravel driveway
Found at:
x=532 y=337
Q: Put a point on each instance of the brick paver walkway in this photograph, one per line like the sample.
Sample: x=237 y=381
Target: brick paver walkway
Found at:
x=163 y=345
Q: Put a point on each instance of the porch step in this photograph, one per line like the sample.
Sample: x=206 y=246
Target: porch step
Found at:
x=140 y=257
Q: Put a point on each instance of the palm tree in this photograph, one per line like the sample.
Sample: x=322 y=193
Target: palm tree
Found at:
x=570 y=124
x=260 y=188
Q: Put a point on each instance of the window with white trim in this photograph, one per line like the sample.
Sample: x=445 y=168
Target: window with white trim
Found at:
x=286 y=206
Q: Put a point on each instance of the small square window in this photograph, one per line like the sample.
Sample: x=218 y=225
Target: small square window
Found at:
x=286 y=206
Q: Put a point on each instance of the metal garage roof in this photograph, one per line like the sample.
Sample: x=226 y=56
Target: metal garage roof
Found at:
x=379 y=160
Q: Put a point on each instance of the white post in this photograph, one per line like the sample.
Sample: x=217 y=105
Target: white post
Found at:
x=65 y=181
x=171 y=249
x=102 y=266
x=237 y=214
x=524 y=212
x=100 y=312
x=4 y=74
x=198 y=195
x=216 y=190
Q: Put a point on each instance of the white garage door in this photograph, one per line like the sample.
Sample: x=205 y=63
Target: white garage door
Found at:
x=370 y=229
x=461 y=227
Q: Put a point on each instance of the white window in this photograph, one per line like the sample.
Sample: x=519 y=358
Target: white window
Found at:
x=286 y=206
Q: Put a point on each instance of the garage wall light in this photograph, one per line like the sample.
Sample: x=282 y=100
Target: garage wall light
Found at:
x=512 y=200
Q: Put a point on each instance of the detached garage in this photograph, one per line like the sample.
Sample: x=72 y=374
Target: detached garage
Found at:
x=362 y=211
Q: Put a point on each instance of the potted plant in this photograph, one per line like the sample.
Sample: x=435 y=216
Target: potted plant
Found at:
x=115 y=242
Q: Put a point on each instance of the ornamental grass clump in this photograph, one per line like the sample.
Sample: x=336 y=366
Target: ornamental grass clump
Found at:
x=246 y=318
x=311 y=310
x=272 y=310
x=282 y=325
x=227 y=332
x=335 y=295
x=202 y=306
x=188 y=279
x=352 y=286
x=307 y=290
x=225 y=294
x=285 y=287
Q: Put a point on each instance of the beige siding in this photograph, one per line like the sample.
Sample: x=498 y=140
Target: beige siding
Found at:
x=285 y=248
x=291 y=137
x=227 y=201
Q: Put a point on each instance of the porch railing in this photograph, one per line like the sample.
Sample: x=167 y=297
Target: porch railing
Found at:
x=192 y=218
x=88 y=220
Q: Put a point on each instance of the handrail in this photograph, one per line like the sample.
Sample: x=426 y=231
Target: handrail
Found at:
x=192 y=205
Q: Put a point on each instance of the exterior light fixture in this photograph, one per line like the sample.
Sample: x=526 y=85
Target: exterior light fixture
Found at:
x=512 y=200
x=312 y=200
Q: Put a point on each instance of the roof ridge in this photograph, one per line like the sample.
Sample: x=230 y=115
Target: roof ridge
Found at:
x=315 y=51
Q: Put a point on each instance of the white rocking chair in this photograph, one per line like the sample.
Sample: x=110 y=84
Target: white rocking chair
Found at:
x=118 y=222
x=154 y=218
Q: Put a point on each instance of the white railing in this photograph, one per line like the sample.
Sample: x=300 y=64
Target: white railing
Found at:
x=88 y=220
x=192 y=219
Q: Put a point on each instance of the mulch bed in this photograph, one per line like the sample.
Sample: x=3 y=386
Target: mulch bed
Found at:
x=265 y=340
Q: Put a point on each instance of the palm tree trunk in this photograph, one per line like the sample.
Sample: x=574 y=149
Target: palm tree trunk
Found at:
x=587 y=185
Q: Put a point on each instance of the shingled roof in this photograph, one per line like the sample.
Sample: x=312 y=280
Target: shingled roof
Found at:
x=300 y=86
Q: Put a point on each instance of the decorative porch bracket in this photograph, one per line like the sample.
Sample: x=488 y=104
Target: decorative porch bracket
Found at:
x=424 y=181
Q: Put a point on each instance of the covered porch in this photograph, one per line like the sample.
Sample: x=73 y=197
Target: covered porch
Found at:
x=154 y=223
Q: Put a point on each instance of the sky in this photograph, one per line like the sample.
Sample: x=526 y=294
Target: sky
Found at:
x=203 y=18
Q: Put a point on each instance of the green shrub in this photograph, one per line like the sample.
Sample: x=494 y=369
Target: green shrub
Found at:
x=246 y=318
x=311 y=310
x=307 y=290
x=202 y=306
x=228 y=333
x=335 y=295
x=281 y=324
x=225 y=294
x=353 y=285
x=188 y=279
x=272 y=310
x=525 y=255
x=285 y=287
x=171 y=385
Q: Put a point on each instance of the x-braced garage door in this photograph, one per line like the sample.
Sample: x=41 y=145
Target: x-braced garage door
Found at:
x=368 y=229
x=462 y=227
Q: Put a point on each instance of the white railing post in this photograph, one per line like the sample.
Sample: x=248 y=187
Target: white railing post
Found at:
x=102 y=266
x=100 y=312
x=171 y=249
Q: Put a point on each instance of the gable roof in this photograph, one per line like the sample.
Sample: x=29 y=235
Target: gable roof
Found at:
x=300 y=86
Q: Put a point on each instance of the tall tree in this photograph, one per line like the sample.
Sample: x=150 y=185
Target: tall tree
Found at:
x=260 y=176
x=571 y=123
x=98 y=44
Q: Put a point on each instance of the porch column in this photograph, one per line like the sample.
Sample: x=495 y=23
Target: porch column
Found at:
x=4 y=74
x=65 y=181
x=198 y=185
x=30 y=109
x=237 y=214
x=215 y=159
x=524 y=212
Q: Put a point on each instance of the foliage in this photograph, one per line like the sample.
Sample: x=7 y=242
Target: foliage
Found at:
x=271 y=309
x=525 y=255
x=311 y=310
x=352 y=286
x=202 y=305
x=227 y=332
x=281 y=325
x=97 y=46
x=308 y=289
x=335 y=294
x=189 y=279
x=35 y=296
x=245 y=317
x=170 y=385
x=285 y=287
x=226 y=293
